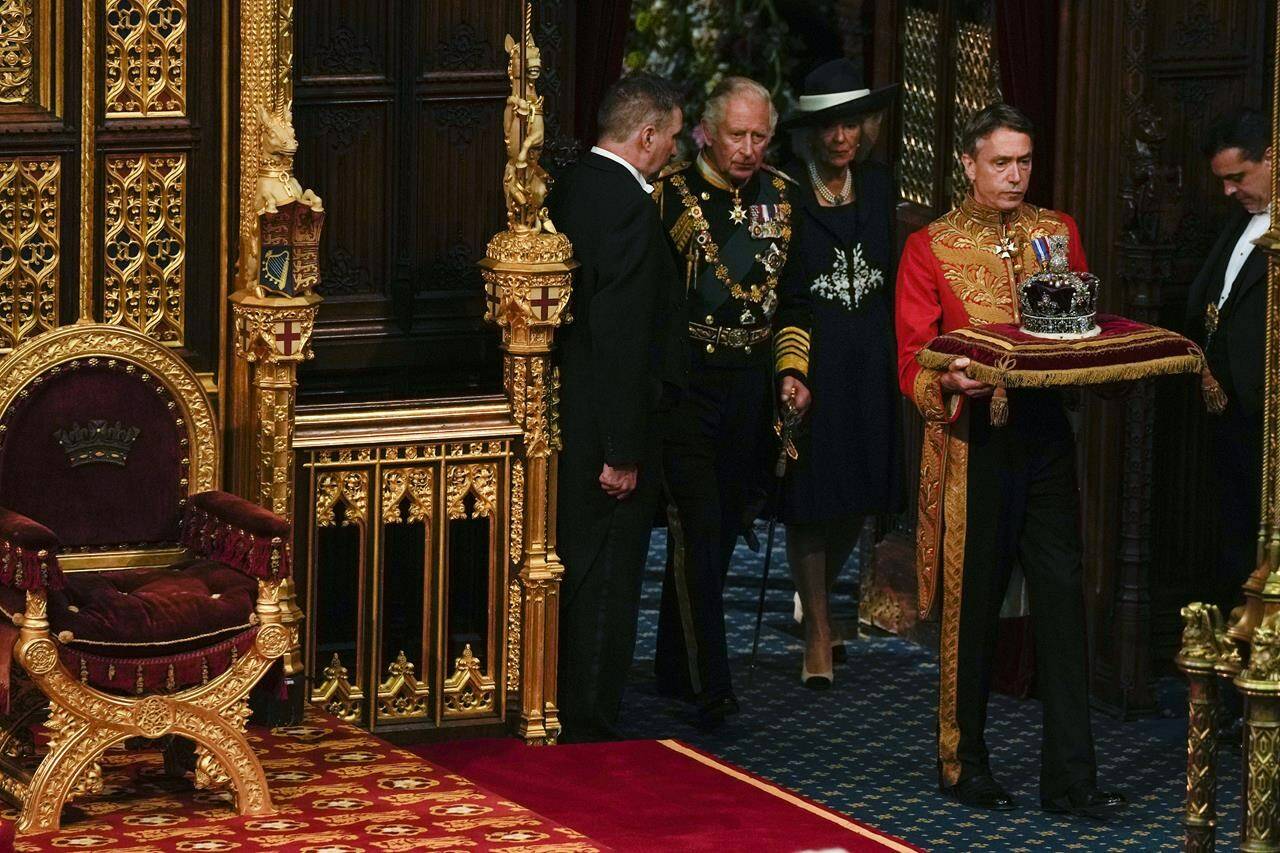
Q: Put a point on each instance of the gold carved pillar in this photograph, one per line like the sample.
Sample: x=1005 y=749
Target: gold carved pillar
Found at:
x=528 y=274
x=274 y=303
x=1257 y=630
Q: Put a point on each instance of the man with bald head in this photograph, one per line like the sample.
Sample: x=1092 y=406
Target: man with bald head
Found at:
x=729 y=215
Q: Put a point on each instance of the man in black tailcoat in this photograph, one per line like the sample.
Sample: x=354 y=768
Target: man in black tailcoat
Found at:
x=1226 y=313
x=621 y=363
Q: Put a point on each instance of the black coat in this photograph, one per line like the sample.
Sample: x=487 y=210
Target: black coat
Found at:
x=850 y=450
x=1236 y=350
x=625 y=349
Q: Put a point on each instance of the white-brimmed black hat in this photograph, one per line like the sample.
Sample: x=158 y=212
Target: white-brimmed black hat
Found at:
x=835 y=90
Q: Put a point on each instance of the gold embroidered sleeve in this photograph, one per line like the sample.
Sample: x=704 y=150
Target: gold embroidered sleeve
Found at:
x=791 y=351
x=929 y=399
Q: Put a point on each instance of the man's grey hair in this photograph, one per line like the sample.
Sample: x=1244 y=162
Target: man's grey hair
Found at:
x=728 y=89
x=633 y=103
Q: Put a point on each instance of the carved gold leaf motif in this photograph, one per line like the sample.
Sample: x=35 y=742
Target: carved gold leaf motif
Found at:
x=145 y=243
x=468 y=691
x=30 y=250
x=414 y=483
x=402 y=696
x=146 y=58
x=17 y=52
x=480 y=480
x=352 y=487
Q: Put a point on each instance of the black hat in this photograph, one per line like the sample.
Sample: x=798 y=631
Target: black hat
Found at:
x=835 y=90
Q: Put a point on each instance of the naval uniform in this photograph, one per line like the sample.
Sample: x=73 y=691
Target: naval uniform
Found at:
x=747 y=330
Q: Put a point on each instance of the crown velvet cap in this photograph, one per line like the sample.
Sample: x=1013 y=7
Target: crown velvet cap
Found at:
x=834 y=91
x=1057 y=302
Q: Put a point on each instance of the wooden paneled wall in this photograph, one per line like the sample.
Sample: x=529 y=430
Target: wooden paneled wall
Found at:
x=398 y=107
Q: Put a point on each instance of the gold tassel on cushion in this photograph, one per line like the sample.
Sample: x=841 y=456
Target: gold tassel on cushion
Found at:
x=1215 y=399
x=999 y=407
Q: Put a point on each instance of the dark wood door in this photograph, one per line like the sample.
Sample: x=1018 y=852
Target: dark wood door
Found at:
x=399 y=116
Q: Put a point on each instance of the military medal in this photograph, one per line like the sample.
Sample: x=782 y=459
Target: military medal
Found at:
x=1006 y=247
x=766 y=221
x=738 y=215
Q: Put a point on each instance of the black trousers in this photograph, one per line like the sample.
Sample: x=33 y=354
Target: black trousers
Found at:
x=1023 y=507
x=604 y=544
x=1235 y=447
x=713 y=462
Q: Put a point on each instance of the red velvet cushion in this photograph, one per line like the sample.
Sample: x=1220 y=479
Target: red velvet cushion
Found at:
x=192 y=605
x=1124 y=350
x=97 y=503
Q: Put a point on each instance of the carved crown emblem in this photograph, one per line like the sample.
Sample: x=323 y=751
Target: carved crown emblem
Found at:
x=98 y=441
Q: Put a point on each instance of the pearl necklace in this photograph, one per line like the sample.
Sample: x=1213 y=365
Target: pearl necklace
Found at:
x=834 y=199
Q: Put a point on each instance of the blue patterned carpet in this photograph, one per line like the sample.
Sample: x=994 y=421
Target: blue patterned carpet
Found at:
x=866 y=746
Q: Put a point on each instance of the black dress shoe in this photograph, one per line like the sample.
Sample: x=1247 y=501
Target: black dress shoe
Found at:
x=1085 y=800
x=713 y=712
x=981 y=792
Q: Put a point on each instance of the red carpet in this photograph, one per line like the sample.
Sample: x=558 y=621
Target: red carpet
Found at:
x=655 y=795
x=337 y=790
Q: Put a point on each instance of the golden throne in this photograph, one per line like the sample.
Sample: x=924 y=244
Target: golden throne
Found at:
x=138 y=601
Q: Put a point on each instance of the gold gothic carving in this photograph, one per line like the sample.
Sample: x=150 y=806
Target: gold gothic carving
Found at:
x=524 y=182
x=528 y=275
x=30 y=248
x=415 y=484
x=145 y=243
x=977 y=84
x=17 y=52
x=919 y=104
x=401 y=696
x=146 y=58
x=468 y=692
x=336 y=693
x=350 y=487
x=517 y=511
x=513 y=634
x=479 y=480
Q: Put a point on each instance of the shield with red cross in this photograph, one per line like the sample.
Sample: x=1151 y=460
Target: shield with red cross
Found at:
x=287 y=336
x=543 y=301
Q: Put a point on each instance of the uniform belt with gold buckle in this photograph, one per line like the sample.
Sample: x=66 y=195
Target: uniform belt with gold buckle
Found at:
x=734 y=337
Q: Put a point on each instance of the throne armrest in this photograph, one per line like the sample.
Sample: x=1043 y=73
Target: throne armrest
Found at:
x=28 y=553
x=237 y=532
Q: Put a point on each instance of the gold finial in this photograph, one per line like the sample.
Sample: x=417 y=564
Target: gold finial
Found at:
x=524 y=182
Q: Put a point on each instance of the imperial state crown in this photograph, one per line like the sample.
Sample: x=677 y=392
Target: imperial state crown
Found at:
x=1058 y=302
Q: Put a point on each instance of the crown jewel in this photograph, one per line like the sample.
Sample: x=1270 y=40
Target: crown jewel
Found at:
x=1058 y=302
x=98 y=441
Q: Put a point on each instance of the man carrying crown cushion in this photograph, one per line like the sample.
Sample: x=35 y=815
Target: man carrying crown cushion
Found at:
x=991 y=496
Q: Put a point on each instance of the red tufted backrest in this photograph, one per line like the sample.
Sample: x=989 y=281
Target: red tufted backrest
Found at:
x=85 y=411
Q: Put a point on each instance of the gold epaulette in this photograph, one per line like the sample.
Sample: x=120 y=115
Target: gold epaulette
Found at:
x=781 y=174
x=791 y=350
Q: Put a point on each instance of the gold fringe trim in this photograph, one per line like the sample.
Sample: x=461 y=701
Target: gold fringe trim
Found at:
x=1169 y=366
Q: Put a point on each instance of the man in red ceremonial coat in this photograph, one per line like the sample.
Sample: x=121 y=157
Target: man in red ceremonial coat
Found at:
x=993 y=496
